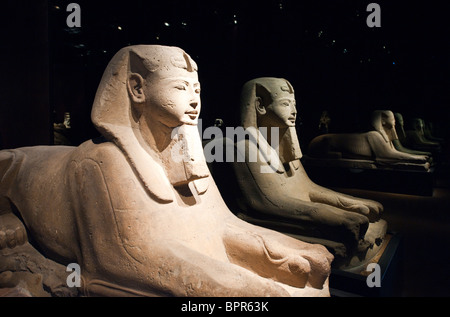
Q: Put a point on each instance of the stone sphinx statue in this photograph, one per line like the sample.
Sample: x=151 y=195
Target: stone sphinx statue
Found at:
x=137 y=208
x=373 y=148
x=384 y=121
x=414 y=136
x=429 y=131
x=401 y=140
x=273 y=189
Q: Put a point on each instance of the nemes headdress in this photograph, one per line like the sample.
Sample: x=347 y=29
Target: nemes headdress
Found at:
x=269 y=89
x=112 y=112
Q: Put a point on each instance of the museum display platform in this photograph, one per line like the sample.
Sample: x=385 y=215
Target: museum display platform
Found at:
x=354 y=284
x=401 y=181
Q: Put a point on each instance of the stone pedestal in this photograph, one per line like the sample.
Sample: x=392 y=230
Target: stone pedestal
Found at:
x=402 y=181
x=354 y=283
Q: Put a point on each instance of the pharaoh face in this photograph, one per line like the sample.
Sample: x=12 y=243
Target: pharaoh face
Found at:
x=399 y=119
x=172 y=97
x=417 y=124
x=283 y=111
x=388 y=120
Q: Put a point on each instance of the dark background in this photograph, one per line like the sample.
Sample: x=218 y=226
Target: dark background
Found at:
x=324 y=48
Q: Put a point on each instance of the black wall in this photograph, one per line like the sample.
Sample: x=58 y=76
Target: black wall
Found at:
x=324 y=48
x=24 y=81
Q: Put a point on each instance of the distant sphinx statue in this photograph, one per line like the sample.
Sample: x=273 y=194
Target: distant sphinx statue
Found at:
x=414 y=137
x=428 y=130
x=376 y=147
x=137 y=208
x=402 y=139
x=384 y=121
x=273 y=189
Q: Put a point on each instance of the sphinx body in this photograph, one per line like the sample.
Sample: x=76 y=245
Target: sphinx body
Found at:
x=137 y=208
x=372 y=149
x=272 y=188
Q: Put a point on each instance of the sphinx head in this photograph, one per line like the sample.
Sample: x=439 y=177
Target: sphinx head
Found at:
x=147 y=84
x=383 y=121
x=163 y=86
x=417 y=124
x=148 y=104
x=399 y=119
x=269 y=102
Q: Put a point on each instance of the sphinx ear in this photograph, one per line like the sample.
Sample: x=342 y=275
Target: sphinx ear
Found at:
x=135 y=84
x=260 y=109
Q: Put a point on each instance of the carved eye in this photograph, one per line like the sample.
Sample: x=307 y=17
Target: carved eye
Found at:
x=197 y=90
x=180 y=87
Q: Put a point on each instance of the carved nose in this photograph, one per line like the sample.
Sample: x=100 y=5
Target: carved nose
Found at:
x=194 y=104
x=293 y=110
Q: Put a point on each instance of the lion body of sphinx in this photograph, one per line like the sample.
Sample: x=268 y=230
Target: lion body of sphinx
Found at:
x=93 y=197
x=345 y=145
x=369 y=146
x=95 y=212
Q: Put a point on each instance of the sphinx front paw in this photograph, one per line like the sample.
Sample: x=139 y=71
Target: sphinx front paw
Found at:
x=12 y=232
